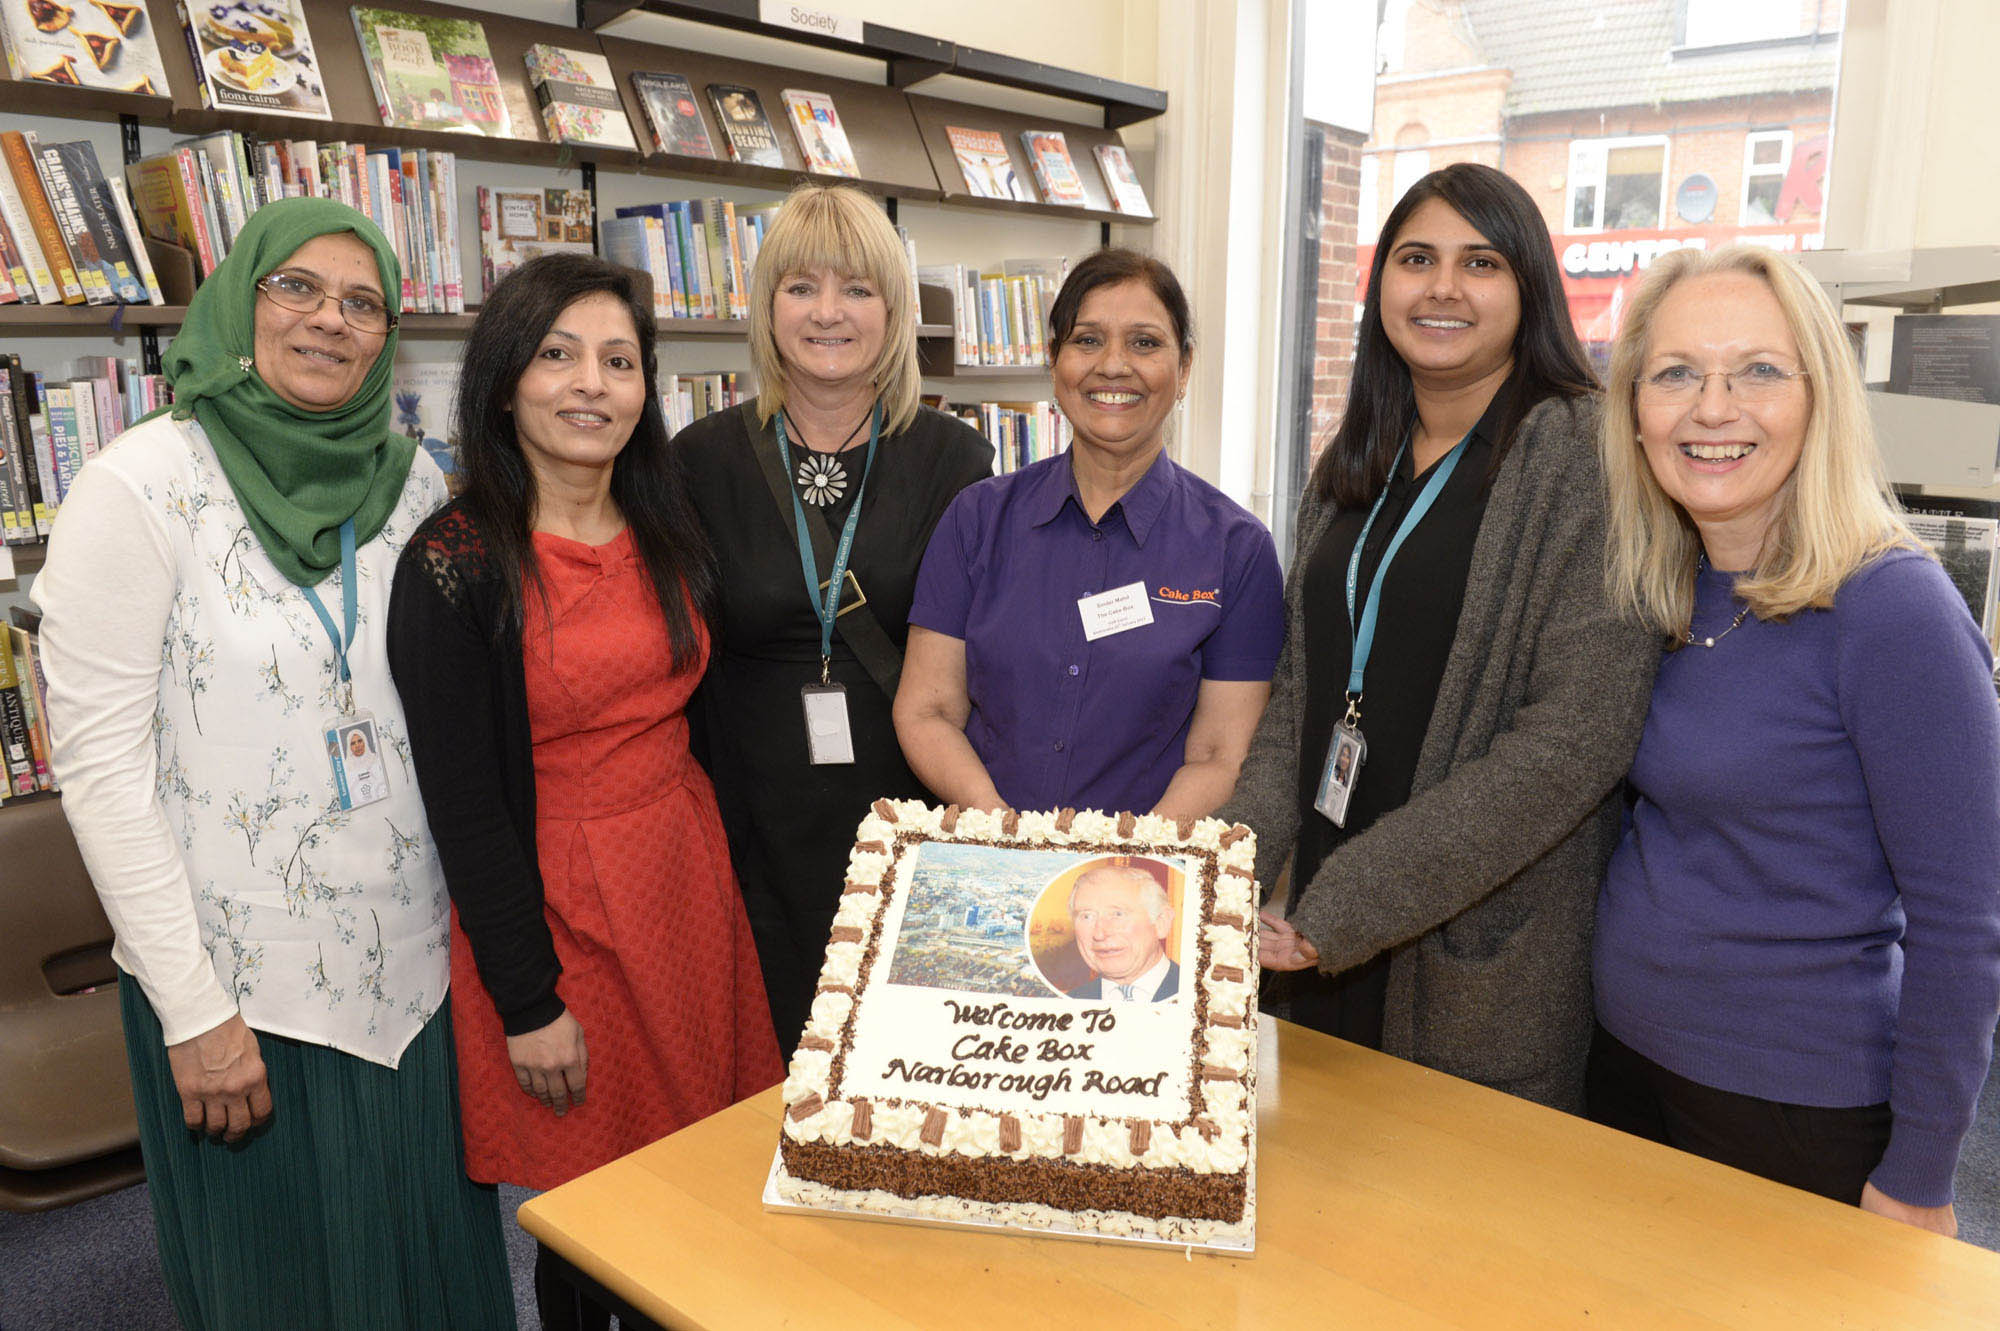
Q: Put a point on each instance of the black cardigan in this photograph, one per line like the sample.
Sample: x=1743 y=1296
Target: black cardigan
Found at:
x=465 y=700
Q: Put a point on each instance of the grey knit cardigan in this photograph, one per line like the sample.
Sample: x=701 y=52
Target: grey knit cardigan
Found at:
x=1483 y=887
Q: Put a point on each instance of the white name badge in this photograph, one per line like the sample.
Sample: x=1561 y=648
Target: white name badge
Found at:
x=828 y=738
x=1115 y=611
x=359 y=775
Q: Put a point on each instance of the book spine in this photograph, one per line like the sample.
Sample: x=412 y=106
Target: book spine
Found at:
x=454 y=262
x=83 y=401
x=67 y=205
x=371 y=56
x=718 y=259
x=657 y=265
x=13 y=273
x=15 y=212
x=121 y=207
x=739 y=275
x=17 y=515
x=24 y=674
x=704 y=276
x=686 y=304
x=488 y=238
x=14 y=741
x=17 y=402
x=41 y=217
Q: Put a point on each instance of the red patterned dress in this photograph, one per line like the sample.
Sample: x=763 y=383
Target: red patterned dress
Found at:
x=658 y=965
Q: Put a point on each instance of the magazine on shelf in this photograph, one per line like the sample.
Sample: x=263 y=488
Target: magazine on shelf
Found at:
x=1964 y=534
x=740 y=112
x=424 y=394
x=254 y=55
x=988 y=167
x=433 y=73
x=578 y=97
x=822 y=141
x=88 y=44
x=1055 y=170
x=516 y=225
x=673 y=114
x=1127 y=194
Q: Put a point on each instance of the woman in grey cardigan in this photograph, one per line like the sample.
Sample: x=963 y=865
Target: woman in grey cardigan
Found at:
x=1455 y=704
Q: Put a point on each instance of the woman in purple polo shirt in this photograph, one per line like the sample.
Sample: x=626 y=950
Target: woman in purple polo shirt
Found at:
x=1798 y=939
x=1098 y=629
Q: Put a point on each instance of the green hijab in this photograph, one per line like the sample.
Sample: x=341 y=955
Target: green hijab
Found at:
x=298 y=474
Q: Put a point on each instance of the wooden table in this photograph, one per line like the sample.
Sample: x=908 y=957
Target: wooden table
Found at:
x=1389 y=1196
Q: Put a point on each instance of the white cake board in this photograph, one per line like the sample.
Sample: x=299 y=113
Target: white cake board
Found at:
x=1245 y=1246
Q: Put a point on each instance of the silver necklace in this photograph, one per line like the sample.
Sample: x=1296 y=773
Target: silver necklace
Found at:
x=821 y=478
x=1687 y=634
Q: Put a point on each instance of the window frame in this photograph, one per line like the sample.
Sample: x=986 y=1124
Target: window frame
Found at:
x=1602 y=148
x=1753 y=172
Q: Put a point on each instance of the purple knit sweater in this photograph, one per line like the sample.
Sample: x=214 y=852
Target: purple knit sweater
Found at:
x=1805 y=905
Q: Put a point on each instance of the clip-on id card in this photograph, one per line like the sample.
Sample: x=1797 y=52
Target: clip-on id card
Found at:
x=1343 y=767
x=359 y=775
x=829 y=739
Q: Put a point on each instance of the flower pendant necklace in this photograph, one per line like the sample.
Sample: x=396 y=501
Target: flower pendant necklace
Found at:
x=821 y=477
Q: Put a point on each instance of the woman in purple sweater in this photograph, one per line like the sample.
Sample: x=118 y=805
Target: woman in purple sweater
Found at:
x=1797 y=961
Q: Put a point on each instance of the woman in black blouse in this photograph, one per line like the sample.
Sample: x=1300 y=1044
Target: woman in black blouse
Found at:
x=833 y=339
x=1441 y=897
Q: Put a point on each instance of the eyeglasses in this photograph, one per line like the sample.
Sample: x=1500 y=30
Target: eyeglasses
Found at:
x=1759 y=381
x=363 y=312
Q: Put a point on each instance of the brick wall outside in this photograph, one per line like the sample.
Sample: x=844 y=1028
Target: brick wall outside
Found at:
x=1333 y=319
x=1708 y=138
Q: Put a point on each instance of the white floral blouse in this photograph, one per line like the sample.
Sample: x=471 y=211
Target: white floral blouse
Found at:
x=189 y=684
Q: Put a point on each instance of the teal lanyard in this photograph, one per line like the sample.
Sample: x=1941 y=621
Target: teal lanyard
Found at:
x=827 y=607
x=1364 y=629
x=341 y=642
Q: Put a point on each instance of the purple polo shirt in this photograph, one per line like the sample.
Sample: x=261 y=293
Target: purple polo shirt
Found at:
x=1096 y=725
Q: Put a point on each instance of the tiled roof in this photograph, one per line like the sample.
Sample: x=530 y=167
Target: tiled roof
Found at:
x=1579 y=54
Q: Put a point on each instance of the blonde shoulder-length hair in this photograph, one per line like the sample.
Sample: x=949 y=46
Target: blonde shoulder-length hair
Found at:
x=1834 y=512
x=838 y=227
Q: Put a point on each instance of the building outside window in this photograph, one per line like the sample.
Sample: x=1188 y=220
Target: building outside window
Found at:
x=1617 y=183
x=1767 y=157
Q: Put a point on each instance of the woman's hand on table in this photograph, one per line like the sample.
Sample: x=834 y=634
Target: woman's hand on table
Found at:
x=1281 y=947
x=551 y=1063
x=221 y=1080
x=1938 y=1219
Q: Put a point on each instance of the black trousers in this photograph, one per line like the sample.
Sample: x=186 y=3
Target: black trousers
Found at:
x=1827 y=1151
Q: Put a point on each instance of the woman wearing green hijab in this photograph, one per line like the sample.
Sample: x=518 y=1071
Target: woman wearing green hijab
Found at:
x=213 y=606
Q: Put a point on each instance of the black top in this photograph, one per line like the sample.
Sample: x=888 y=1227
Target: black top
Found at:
x=1413 y=635
x=465 y=703
x=789 y=823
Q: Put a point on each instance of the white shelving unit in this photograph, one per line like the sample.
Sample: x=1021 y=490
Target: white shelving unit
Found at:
x=1935 y=443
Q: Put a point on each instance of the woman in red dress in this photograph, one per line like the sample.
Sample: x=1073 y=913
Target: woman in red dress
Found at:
x=546 y=629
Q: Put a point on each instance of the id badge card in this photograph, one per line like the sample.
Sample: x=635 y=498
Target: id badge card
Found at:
x=1344 y=756
x=828 y=737
x=1115 y=611
x=359 y=774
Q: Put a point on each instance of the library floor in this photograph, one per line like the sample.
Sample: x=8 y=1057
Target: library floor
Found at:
x=94 y=1267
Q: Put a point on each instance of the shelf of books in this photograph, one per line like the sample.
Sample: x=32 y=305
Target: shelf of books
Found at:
x=385 y=108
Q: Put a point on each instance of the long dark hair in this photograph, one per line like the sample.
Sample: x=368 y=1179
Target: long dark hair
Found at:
x=1548 y=360
x=646 y=479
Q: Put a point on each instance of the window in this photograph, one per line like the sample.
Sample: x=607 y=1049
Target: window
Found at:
x=1412 y=165
x=1368 y=210
x=1617 y=184
x=1729 y=22
x=1766 y=159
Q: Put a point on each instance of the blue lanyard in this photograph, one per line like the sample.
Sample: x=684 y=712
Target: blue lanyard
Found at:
x=1364 y=629
x=347 y=611
x=828 y=607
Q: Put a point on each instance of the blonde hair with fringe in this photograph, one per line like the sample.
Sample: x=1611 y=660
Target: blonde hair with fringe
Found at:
x=1833 y=514
x=838 y=227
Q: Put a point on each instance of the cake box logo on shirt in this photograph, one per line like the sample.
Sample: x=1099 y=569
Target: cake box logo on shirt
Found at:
x=1187 y=595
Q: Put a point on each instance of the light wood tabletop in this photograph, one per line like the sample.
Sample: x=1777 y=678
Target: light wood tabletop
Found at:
x=1388 y=1196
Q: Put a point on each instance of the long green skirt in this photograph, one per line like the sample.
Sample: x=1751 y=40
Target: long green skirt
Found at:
x=349 y=1209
